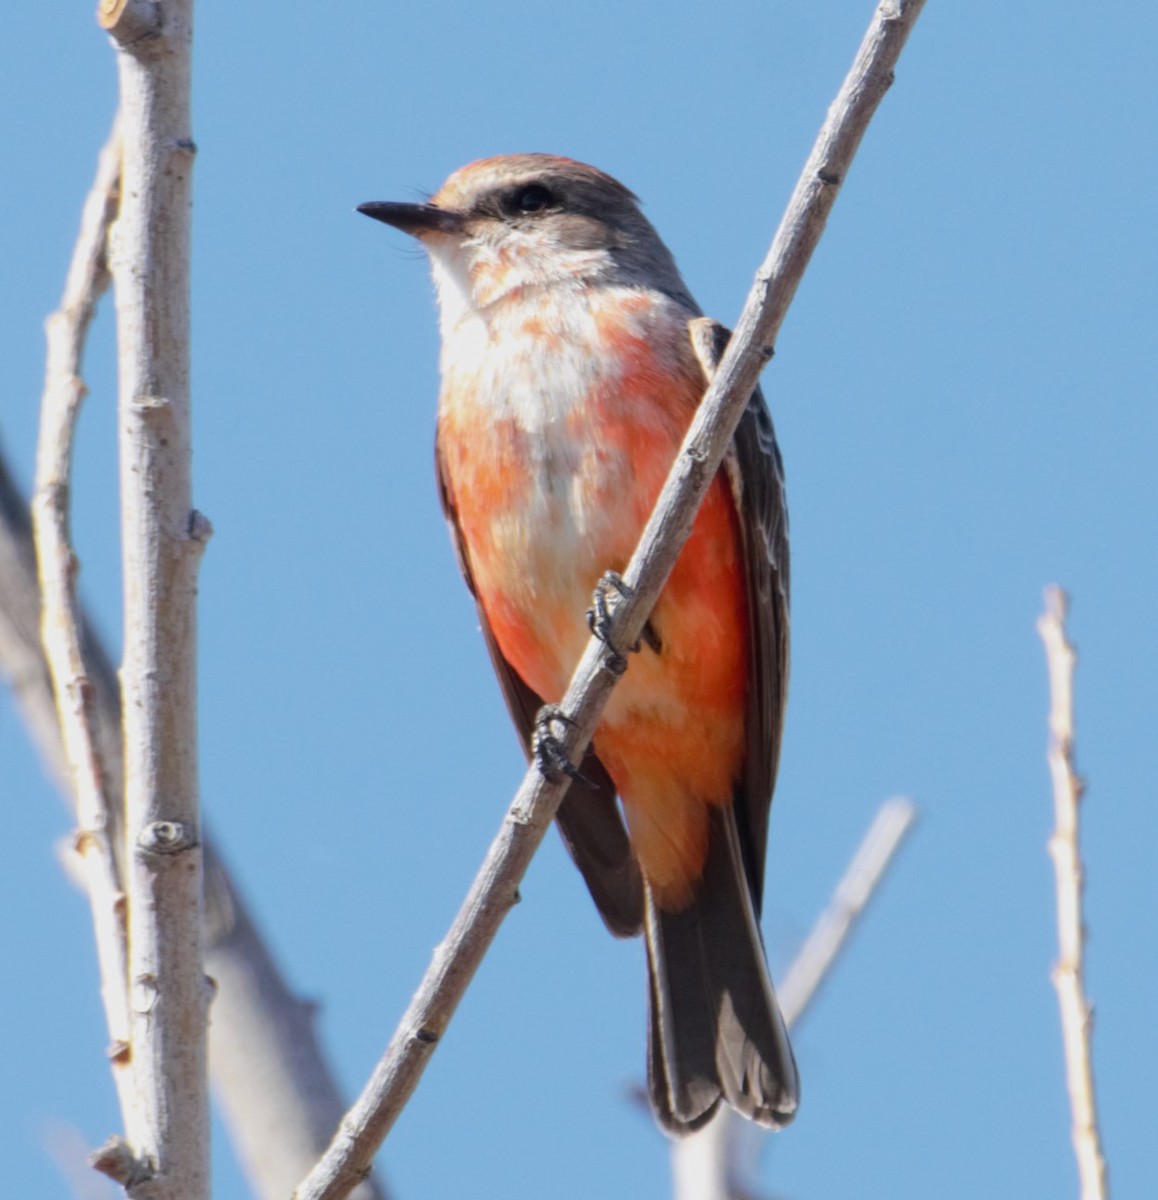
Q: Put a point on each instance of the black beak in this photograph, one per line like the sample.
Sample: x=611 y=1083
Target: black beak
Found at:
x=415 y=219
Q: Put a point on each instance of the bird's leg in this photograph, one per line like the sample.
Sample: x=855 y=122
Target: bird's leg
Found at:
x=547 y=746
x=608 y=591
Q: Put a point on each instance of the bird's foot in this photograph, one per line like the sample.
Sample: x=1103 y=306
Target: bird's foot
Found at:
x=610 y=589
x=547 y=746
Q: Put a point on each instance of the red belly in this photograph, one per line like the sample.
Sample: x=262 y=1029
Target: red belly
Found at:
x=543 y=514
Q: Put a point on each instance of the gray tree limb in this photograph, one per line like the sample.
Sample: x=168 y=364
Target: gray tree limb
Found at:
x=167 y=1126
x=281 y=1101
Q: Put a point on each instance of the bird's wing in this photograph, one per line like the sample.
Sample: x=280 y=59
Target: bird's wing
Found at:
x=756 y=474
x=588 y=817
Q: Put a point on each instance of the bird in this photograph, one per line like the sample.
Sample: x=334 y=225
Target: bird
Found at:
x=573 y=358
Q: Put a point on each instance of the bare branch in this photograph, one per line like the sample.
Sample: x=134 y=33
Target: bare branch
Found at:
x=168 y=1130
x=714 y=1162
x=281 y=1101
x=812 y=964
x=129 y=21
x=1076 y=1012
x=495 y=887
x=64 y=391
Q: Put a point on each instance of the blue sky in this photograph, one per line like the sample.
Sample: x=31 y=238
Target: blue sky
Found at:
x=965 y=402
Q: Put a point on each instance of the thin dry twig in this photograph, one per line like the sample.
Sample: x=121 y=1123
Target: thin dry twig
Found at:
x=64 y=391
x=163 y=537
x=1064 y=848
x=718 y=1161
x=811 y=966
x=495 y=887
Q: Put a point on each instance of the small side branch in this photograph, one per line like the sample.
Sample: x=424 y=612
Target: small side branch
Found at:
x=61 y=623
x=1064 y=848
x=811 y=966
x=495 y=887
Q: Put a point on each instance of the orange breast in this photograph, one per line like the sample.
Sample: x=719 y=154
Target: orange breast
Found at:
x=551 y=495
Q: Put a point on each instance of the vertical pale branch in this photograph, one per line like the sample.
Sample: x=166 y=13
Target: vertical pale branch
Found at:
x=1076 y=1012
x=61 y=623
x=280 y=1098
x=712 y=1163
x=281 y=1102
x=495 y=887
x=163 y=538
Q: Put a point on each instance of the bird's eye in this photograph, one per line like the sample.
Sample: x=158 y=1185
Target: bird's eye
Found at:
x=531 y=199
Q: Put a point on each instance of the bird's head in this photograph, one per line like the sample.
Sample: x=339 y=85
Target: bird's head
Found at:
x=502 y=226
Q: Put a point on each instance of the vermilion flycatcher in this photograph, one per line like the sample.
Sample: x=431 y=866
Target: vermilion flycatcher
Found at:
x=573 y=358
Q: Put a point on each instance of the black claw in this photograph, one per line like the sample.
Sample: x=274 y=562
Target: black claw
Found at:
x=599 y=614
x=599 y=621
x=550 y=757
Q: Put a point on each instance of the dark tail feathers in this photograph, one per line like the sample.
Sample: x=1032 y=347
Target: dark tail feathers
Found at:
x=715 y=1030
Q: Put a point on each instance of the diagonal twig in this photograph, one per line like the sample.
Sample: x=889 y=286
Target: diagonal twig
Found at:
x=1076 y=1011
x=495 y=887
x=814 y=960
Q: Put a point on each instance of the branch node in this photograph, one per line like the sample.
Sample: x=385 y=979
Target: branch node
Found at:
x=129 y=21
x=118 y=1052
x=145 y=403
x=144 y=994
x=116 y=1160
x=83 y=840
x=166 y=837
x=200 y=527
